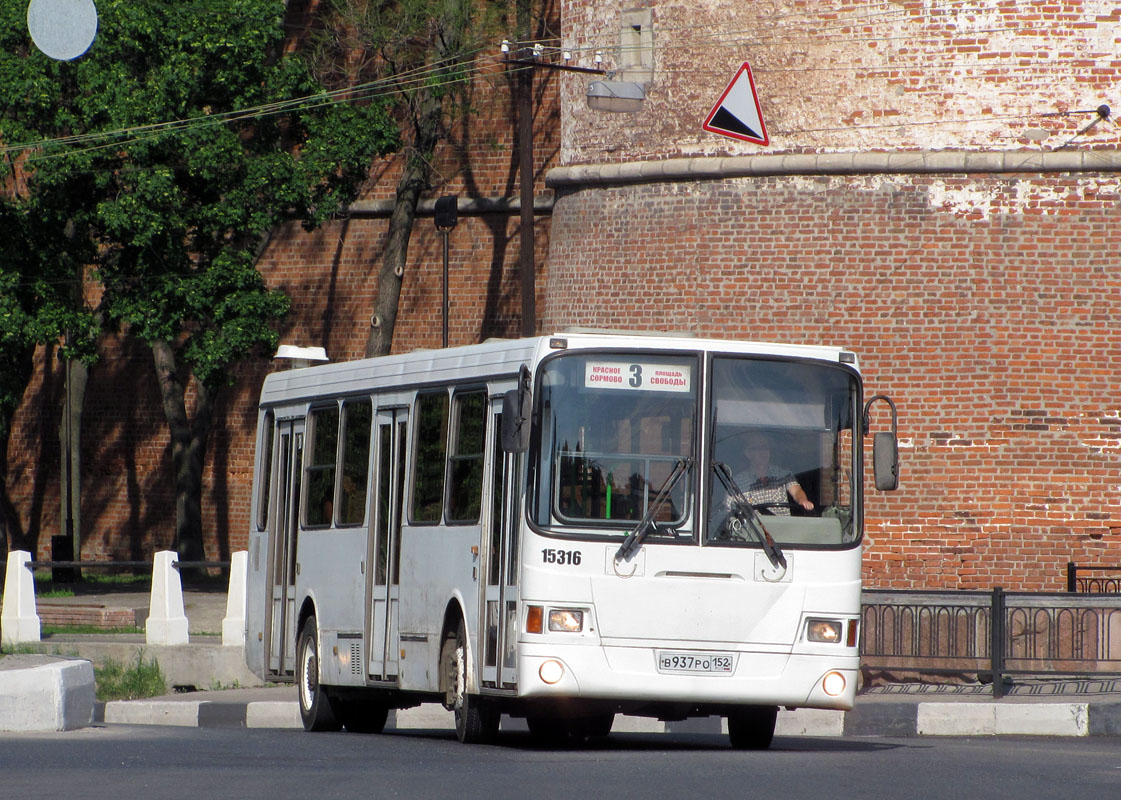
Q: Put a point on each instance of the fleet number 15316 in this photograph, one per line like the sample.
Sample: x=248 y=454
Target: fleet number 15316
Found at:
x=563 y=557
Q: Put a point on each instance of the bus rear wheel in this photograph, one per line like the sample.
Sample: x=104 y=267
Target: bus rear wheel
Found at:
x=752 y=727
x=476 y=721
x=315 y=706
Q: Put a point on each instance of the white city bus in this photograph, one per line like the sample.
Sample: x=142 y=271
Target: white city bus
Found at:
x=563 y=528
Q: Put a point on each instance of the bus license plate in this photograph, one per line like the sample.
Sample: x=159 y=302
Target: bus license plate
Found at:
x=703 y=663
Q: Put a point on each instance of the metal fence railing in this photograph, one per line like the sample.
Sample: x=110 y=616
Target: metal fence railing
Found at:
x=1095 y=579
x=67 y=571
x=994 y=635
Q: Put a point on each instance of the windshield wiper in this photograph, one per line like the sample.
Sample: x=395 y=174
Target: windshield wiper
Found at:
x=745 y=514
x=646 y=525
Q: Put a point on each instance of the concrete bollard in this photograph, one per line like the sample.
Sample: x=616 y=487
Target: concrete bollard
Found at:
x=233 y=626
x=18 y=620
x=167 y=622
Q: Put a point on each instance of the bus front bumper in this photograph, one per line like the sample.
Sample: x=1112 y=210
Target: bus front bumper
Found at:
x=679 y=675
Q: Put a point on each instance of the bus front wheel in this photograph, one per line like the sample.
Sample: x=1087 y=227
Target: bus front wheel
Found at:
x=476 y=721
x=315 y=706
x=752 y=727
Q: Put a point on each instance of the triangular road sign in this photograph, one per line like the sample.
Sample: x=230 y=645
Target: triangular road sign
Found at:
x=737 y=113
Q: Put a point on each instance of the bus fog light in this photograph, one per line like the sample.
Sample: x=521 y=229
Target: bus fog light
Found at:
x=824 y=630
x=566 y=620
x=551 y=671
x=833 y=684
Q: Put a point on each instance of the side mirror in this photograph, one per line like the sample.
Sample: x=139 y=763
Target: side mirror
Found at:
x=516 y=408
x=885 y=448
x=885 y=461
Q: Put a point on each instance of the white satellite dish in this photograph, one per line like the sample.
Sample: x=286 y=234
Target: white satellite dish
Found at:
x=62 y=29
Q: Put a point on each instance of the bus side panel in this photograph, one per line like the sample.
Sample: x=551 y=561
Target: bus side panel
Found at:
x=437 y=567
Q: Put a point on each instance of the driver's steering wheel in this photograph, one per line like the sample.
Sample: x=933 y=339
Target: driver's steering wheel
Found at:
x=768 y=508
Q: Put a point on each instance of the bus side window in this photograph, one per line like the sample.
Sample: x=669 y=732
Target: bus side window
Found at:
x=357 y=419
x=431 y=455
x=320 y=491
x=465 y=462
x=267 y=468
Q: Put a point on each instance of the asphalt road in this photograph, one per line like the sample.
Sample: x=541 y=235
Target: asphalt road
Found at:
x=119 y=761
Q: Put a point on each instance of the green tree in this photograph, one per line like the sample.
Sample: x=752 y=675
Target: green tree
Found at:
x=187 y=144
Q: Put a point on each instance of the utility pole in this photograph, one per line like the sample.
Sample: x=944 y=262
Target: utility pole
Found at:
x=528 y=59
x=524 y=83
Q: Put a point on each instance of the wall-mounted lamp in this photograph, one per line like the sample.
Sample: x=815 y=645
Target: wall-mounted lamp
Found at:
x=626 y=96
x=301 y=356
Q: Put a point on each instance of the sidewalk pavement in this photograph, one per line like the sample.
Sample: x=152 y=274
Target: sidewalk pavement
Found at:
x=1083 y=707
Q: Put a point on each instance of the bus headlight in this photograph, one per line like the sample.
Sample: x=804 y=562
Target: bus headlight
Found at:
x=566 y=620
x=827 y=631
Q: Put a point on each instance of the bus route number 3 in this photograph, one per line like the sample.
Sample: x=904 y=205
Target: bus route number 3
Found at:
x=563 y=557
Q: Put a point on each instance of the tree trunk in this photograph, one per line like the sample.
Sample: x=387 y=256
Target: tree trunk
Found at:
x=70 y=447
x=188 y=448
x=414 y=181
x=15 y=371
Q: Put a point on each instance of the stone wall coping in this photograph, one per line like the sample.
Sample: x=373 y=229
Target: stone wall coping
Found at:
x=854 y=163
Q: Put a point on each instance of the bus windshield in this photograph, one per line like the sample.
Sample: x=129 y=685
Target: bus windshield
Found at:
x=614 y=428
x=618 y=429
x=782 y=452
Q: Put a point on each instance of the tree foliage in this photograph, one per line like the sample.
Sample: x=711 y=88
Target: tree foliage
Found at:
x=168 y=153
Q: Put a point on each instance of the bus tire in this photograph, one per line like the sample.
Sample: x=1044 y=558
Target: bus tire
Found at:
x=315 y=706
x=476 y=721
x=752 y=727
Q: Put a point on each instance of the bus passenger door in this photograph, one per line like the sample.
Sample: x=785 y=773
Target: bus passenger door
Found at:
x=383 y=580
x=280 y=621
x=500 y=544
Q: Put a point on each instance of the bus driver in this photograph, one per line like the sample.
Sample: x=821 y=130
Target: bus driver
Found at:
x=767 y=486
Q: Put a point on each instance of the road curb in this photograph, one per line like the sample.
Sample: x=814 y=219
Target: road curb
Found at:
x=961 y=718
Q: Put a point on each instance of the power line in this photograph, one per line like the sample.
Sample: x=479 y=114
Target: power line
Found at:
x=371 y=90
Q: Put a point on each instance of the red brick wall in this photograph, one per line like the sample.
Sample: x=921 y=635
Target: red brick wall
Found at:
x=995 y=332
x=986 y=305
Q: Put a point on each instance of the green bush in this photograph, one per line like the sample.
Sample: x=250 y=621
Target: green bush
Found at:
x=116 y=682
